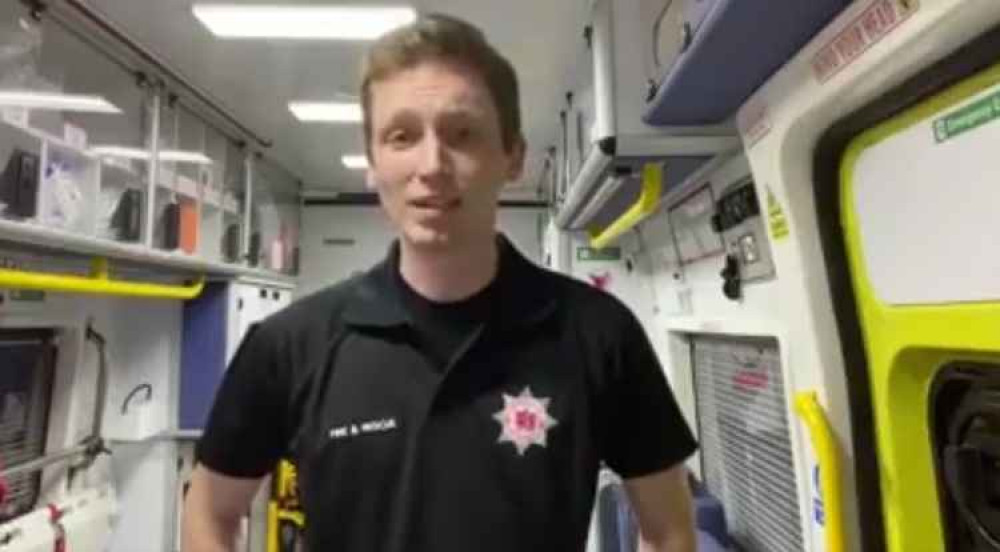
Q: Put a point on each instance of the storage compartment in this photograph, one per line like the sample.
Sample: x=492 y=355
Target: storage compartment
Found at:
x=274 y=222
x=122 y=201
x=68 y=189
x=204 y=352
x=19 y=184
x=706 y=57
x=965 y=429
x=624 y=191
x=746 y=449
x=214 y=324
x=605 y=135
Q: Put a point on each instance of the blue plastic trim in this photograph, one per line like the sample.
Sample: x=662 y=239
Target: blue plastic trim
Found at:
x=203 y=354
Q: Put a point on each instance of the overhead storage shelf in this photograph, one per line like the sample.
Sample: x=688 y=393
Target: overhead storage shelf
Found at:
x=660 y=82
x=605 y=141
x=100 y=163
x=626 y=191
x=58 y=240
x=711 y=55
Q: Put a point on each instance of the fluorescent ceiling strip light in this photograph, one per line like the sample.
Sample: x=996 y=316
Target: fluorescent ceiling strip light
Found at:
x=355 y=161
x=173 y=156
x=302 y=22
x=326 y=112
x=55 y=101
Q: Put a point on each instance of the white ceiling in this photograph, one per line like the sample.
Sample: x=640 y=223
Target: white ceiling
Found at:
x=256 y=79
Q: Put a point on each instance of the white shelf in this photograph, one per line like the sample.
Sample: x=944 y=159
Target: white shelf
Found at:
x=231 y=205
x=220 y=207
x=182 y=186
x=186 y=187
x=109 y=164
x=168 y=435
x=33 y=233
x=181 y=435
x=50 y=139
x=212 y=198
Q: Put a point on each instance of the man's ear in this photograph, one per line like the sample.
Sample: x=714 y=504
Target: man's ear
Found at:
x=515 y=160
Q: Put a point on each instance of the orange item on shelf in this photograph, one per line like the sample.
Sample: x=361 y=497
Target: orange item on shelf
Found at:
x=189 y=227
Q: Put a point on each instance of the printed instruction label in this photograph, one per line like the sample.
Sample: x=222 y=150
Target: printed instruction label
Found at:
x=819 y=512
x=969 y=117
x=872 y=25
x=592 y=254
x=776 y=217
x=754 y=122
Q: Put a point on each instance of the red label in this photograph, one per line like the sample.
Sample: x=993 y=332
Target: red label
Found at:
x=750 y=380
x=525 y=420
x=874 y=23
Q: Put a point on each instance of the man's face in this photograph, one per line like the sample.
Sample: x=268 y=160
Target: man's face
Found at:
x=438 y=160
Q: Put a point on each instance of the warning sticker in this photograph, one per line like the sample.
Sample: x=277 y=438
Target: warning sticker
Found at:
x=754 y=122
x=776 y=217
x=592 y=254
x=967 y=118
x=872 y=25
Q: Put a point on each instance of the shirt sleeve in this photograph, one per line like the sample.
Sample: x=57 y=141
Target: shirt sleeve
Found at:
x=645 y=431
x=245 y=434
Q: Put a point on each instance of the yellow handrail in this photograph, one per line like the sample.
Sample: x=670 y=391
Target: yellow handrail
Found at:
x=98 y=283
x=824 y=443
x=649 y=197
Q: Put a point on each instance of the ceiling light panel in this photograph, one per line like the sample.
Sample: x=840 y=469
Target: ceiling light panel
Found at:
x=302 y=22
x=356 y=162
x=326 y=112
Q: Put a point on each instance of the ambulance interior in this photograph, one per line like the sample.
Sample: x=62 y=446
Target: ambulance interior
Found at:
x=798 y=200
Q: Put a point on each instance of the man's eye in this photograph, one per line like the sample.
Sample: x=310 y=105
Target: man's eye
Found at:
x=463 y=134
x=399 y=138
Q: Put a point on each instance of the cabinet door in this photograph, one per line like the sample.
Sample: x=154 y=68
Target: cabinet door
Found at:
x=246 y=307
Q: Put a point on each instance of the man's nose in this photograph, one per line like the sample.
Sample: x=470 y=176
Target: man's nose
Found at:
x=434 y=157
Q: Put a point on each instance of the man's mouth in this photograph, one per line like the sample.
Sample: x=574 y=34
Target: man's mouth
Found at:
x=436 y=203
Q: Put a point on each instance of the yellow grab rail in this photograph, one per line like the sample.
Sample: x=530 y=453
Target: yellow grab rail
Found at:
x=98 y=283
x=649 y=197
x=824 y=443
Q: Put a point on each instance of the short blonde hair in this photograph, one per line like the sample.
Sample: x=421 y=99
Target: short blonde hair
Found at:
x=442 y=37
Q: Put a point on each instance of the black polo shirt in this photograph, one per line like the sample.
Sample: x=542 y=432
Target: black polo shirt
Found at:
x=496 y=449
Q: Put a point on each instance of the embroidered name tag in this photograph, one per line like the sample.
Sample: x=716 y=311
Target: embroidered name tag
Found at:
x=364 y=428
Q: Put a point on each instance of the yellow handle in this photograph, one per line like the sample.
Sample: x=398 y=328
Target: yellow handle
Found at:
x=823 y=442
x=275 y=515
x=99 y=283
x=649 y=197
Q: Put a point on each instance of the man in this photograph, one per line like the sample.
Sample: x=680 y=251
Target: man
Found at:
x=456 y=397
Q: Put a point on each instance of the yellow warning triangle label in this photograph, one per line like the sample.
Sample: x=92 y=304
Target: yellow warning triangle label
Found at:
x=776 y=217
